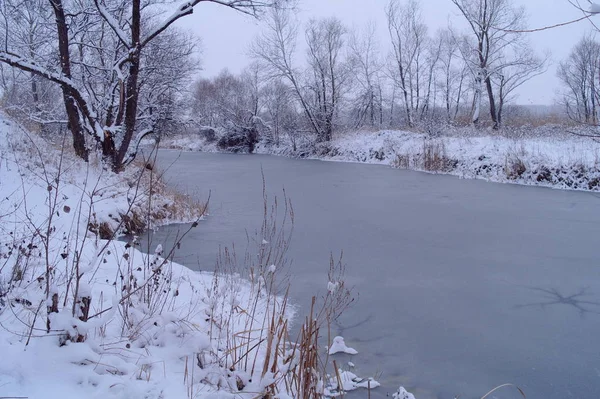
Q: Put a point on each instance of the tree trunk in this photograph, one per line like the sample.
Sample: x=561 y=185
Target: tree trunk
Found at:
x=447 y=97
x=35 y=93
x=380 y=105
x=407 y=104
x=593 y=98
x=458 y=96
x=407 y=108
x=477 y=99
x=372 y=105
x=500 y=102
x=490 y=91
x=500 y=109
x=71 y=109
x=131 y=88
x=392 y=103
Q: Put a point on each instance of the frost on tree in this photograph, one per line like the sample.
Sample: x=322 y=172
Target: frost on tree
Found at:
x=98 y=53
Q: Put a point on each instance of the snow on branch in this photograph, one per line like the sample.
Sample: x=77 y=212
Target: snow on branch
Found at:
x=26 y=65
x=114 y=25
x=184 y=9
x=249 y=7
x=132 y=153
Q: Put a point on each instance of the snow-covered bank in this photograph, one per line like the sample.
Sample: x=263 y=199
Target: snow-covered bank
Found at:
x=78 y=316
x=553 y=160
x=86 y=317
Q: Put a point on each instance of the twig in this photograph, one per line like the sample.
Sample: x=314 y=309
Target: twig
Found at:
x=544 y=27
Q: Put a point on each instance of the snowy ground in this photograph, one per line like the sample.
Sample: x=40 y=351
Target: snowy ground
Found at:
x=544 y=157
x=84 y=317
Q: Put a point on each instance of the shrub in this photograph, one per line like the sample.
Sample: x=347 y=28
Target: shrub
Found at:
x=514 y=167
x=239 y=140
x=434 y=156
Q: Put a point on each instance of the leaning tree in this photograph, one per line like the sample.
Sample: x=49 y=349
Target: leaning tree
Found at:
x=99 y=52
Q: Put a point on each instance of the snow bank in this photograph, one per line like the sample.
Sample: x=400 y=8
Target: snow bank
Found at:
x=565 y=162
x=544 y=157
x=85 y=317
x=116 y=346
x=125 y=324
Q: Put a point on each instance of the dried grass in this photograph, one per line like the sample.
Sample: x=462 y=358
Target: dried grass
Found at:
x=514 y=167
x=262 y=348
x=432 y=157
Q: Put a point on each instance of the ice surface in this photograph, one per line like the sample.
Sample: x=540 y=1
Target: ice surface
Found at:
x=444 y=267
x=551 y=157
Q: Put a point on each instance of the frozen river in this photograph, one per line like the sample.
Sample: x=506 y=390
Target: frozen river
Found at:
x=463 y=285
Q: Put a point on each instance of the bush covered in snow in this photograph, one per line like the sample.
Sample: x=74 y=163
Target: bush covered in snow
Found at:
x=239 y=140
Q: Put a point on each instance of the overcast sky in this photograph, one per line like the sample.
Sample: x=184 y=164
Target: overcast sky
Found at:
x=226 y=34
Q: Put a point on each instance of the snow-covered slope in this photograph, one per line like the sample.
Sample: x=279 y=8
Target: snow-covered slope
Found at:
x=83 y=317
x=561 y=162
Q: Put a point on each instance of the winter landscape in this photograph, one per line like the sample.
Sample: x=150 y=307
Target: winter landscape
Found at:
x=169 y=228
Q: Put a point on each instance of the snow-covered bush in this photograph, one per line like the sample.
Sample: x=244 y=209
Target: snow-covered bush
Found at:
x=241 y=139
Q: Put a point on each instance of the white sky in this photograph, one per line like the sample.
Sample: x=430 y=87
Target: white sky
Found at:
x=226 y=34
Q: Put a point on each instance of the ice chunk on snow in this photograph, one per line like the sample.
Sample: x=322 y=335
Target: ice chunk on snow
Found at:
x=264 y=242
x=158 y=249
x=350 y=381
x=272 y=268
x=402 y=393
x=331 y=287
x=368 y=383
x=350 y=364
x=340 y=346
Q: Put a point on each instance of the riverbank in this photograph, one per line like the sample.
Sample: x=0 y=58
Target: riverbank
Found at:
x=86 y=315
x=82 y=314
x=545 y=157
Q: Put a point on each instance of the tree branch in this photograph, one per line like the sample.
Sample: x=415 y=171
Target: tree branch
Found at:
x=186 y=8
x=112 y=23
x=26 y=65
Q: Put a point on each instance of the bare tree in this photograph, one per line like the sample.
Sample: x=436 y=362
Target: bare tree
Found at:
x=328 y=71
x=366 y=63
x=513 y=73
x=166 y=72
x=408 y=35
x=319 y=88
x=433 y=54
x=579 y=74
x=494 y=25
x=453 y=73
x=253 y=77
x=106 y=41
x=225 y=101
x=25 y=27
x=280 y=111
x=275 y=48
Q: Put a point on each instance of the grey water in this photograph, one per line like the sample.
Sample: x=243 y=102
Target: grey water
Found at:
x=462 y=285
